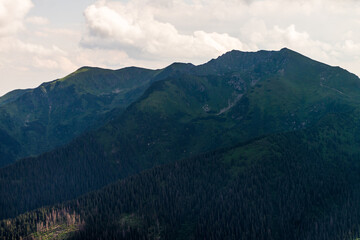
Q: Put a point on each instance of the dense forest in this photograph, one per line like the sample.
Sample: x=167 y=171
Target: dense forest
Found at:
x=247 y=146
x=256 y=190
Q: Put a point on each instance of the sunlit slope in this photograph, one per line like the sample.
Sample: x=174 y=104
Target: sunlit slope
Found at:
x=37 y=120
x=235 y=98
x=192 y=113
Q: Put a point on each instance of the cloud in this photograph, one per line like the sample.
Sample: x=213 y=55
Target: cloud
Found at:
x=20 y=50
x=135 y=28
x=12 y=13
x=34 y=55
x=155 y=33
x=36 y=20
x=198 y=30
x=301 y=41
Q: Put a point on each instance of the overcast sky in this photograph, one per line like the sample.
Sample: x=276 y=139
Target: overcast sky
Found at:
x=42 y=40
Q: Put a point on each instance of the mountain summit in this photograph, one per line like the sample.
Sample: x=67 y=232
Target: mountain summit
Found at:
x=224 y=128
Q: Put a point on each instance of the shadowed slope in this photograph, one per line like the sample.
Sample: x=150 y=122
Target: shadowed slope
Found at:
x=298 y=185
x=183 y=115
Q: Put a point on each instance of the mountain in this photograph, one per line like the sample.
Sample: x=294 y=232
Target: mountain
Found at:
x=196 y=109
x=193 y=113
x=295 y=185
x=34 y=121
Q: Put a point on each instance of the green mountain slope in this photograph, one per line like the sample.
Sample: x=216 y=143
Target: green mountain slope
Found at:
x=36 y=120
x=297 y=185
x=195 y=113
x=196 y=110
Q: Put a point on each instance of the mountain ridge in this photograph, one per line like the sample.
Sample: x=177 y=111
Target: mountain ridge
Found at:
x=57 y=111
x=97 y=95
x=178 y=117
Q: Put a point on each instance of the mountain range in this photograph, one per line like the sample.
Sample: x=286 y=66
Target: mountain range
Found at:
x=251 y=145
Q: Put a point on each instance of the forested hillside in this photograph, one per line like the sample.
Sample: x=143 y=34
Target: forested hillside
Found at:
x=298 y=185
x=217 y=181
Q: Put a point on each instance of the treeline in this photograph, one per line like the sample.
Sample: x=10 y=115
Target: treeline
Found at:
x=166 y=124
x=88 y=163
x=302 y=185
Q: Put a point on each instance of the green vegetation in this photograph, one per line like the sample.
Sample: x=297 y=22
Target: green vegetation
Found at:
x=34 y=121
x=56 y=232
x=294 y=174
x=54 y=223
x=302 y=191
x=37 y=120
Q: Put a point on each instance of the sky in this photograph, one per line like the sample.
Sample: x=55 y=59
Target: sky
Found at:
x=43 y=40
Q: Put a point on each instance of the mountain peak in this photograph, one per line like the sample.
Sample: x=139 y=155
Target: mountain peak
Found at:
x=236 y=60
x=289 y=51
x=180 y=65
x=235 y=52
x=285 y=49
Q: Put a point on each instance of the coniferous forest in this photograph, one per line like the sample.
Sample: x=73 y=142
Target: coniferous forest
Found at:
x=260 y=145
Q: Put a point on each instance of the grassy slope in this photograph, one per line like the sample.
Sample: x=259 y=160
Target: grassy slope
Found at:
x=179 y=117
x=184 y=112
x=37 y=120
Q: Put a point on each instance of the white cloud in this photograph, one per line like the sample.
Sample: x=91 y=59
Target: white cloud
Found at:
x=37 y=20
x=277 y=37
x=134 y=27
x=198 y=30
x=12 y=13
x=34 y=55
x=155 y=33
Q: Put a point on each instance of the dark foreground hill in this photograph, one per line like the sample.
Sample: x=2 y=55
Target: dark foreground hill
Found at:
x=298 y=185
x=235 y=98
